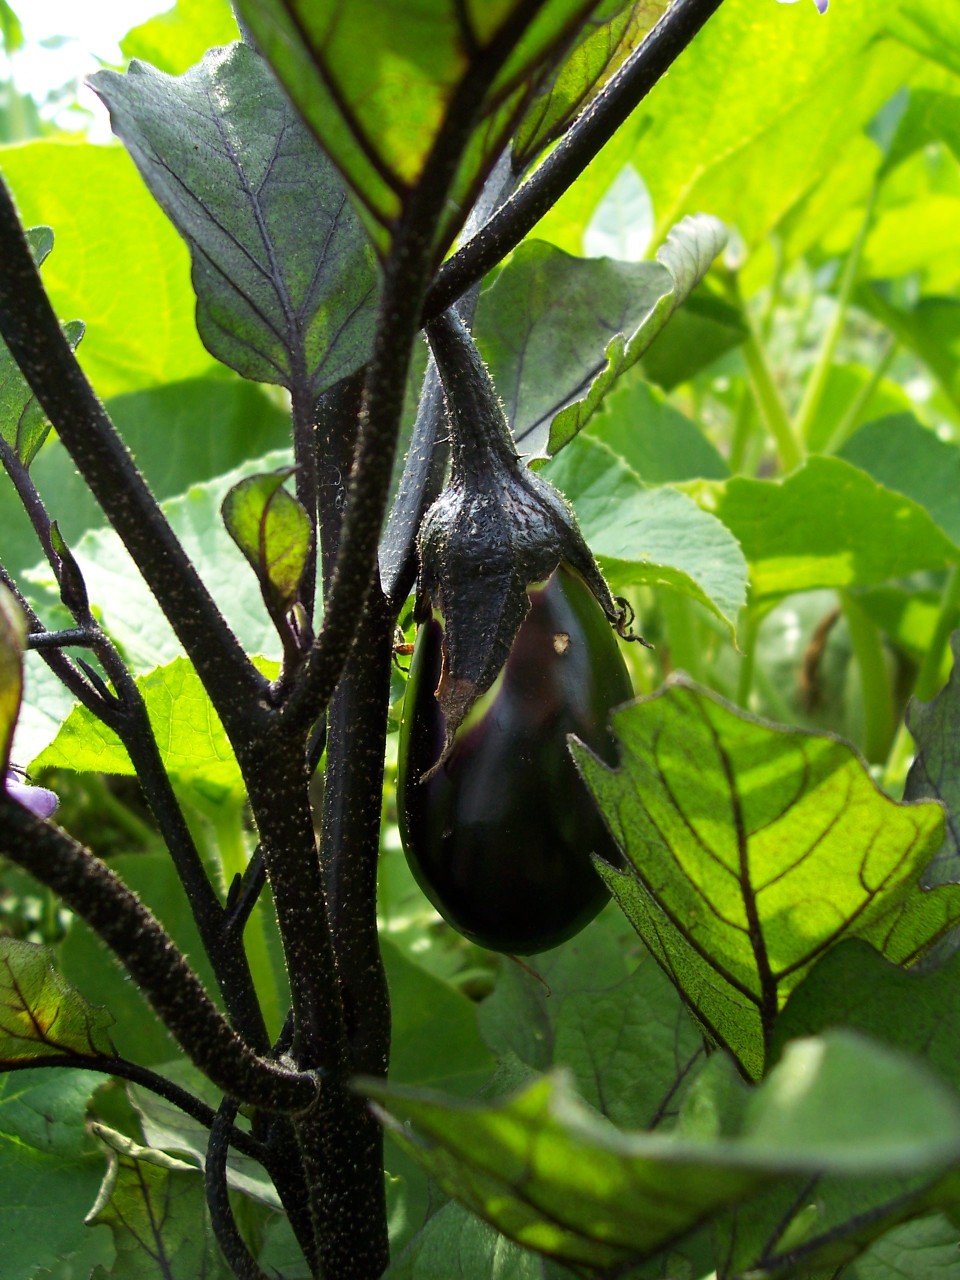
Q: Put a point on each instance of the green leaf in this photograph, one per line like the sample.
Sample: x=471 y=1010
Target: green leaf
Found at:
x=818 y=528
x=854 y=986
x=935 y=772
x=455 y=1243
x=23 y=423
x=138 y=1033
x=593 y=60
x=181 y=435
x=125 y=605
x=434 y=1038
x=922 y=1250
x=930 y=328
x=553 y=1176
x=281 y=298
x=376 y=82
x=655 y=536
x=932 y=30
x=752 y=849
x=174 y=40
x=13 y=638
x=705 y=328
x=558 y=331
x=156 y=1208
x=49 y=1172
x=653 y=438
x=598 y=1013
x=909 y=458
x=41 y=1014
x=168 y=1129
x=192 y=742
x=119 y=263
x=751 y=163
x=275 y=535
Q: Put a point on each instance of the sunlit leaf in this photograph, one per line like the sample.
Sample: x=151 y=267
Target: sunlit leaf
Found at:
x=274 y=533
x=553 y=1176
x=192 y=742
x=175 y=39
x=641 y=534
x=41 y=1014
x=23 y=423
x=281 y=297
x=377 y=82
x=818 y=528
x=118 y=263
x=752 y=849
x=155 y=1206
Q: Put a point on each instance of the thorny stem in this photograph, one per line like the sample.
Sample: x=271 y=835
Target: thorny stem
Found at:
x=591 y=130
x=242 y=1262
x=30 y=329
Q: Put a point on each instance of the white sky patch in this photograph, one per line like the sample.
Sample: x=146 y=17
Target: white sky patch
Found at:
x=66 y=41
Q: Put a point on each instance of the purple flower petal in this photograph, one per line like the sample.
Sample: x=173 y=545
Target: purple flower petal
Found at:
x=41 y=802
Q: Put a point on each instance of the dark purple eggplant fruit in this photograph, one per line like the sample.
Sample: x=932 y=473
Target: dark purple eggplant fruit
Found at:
x=497 y=825
x=499 y=837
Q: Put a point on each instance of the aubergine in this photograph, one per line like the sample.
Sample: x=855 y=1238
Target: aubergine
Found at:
x=498 y=827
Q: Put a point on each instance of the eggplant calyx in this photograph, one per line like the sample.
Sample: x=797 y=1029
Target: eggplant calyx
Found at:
x=495 y=530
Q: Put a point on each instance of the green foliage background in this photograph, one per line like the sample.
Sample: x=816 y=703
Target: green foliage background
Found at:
x=774 y=485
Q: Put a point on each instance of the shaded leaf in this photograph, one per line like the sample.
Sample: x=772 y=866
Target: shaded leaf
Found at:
x=818 y=528
x=138 y=1033
x=661 y=444
x=594 y=1010
x=557 y=331
x=156 y=1208
x=168 y=1129
x=376 y=83
x=553 y=1176
x=49 y=1173
x=643 y=535
x=41 y=1014
x=935 y=772
x=753 y=849
x=921 y=1250
x=854 y=986
x=906 y=457
x=280 y=297
x=457 y=1245
x=23 y=424
x=274 y=533
x=434 y=1038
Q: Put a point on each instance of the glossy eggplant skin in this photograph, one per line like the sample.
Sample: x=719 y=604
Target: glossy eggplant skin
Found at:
x=499 y=837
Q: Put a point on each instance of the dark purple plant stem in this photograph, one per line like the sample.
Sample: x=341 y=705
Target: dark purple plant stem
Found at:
x=190 y=1105
x=589 y=133
x=132 y=932
x=30 y=329
x=242 y=1262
